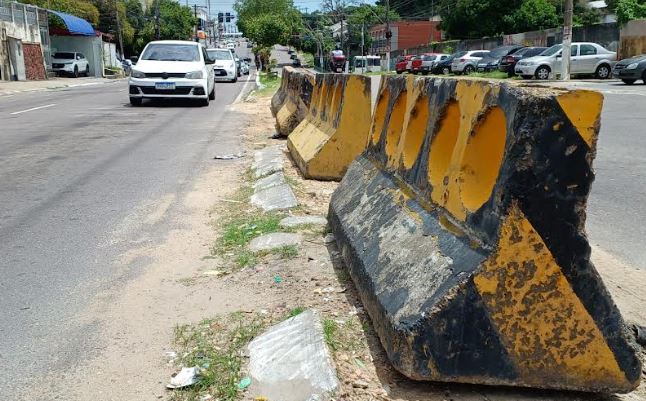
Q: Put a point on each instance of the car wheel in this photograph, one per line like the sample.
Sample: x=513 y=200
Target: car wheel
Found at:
x=212 y=94
x=399 y=72
x=644 y=77
x=205 y=102
x=526 y=76
x=629 y=81
x=542 y=72
x=76 y=71
x=234 y=80
x=446 y=70
x=136 y=101
x=603 y=72
x=468 y=69
x=87 y=70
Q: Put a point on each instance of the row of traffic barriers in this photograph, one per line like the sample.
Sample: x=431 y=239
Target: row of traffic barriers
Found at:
x=461 y=222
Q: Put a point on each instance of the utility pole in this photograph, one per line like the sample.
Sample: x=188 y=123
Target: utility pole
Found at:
x=364 y=61
x=196 y=22
x=116 y=10
x=388 y=35
x=157 y=29
x=567 y=41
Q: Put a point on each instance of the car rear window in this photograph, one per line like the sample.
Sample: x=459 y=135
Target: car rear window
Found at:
x=428 y=58
x=171 y=52
x=220 y=54
x=534 y=51
x=65 y=56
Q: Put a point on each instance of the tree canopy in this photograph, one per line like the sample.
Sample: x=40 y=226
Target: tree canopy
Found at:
x=268 y=22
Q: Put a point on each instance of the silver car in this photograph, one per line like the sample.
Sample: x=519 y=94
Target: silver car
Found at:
x=467 y=63
x=586 y=58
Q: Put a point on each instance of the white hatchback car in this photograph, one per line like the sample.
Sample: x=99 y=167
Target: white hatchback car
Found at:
x=467 y=63
x=225 y=68
x=586 y=58
x=173 y=69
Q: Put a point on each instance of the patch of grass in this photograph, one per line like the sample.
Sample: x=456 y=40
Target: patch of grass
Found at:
x=239 y=231
x=217 y=347
x=187 y=281
x=308 y=58
x=245 y=259
x=490 y=75
x=330 y=334
x=295 y=312
x=270 y=85
x=286 y=252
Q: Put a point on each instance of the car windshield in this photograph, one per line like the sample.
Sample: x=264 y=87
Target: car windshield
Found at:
x=499 y=52
x=428 y=58
x=66 y=56
x=170 y=52
x=551 y=50
x=220 y=54
x=458 y=54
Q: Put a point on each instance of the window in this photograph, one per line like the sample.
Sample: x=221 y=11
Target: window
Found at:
x=534 y=51
x=171 y=52
x=588 y=50
x=552 y=50
x=64 y=56
x=574 y=50
x=479 y=54
x=81 y=56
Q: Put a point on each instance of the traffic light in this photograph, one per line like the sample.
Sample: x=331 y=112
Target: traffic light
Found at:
x=220 y=17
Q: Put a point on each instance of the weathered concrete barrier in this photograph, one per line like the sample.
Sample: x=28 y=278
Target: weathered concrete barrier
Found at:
x=335 y=130
x=462 y=226
x=291 y=101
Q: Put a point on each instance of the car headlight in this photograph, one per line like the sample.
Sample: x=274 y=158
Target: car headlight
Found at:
x=632 y=66
x=137 y=74
x=194 y=75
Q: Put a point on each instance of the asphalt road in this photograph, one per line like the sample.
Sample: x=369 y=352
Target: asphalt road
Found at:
x=77 y=167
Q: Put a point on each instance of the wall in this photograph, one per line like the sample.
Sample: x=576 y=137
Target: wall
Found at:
x=90 y=46
x=34 y=64
x=633 y=38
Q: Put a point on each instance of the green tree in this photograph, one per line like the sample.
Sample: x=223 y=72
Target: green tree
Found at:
x=532 y=15
x=175 y=22
x=81 y=8
x=267 y=30
x=628 y=10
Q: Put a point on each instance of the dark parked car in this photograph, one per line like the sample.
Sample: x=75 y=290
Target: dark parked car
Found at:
x=444 y=67
x=491 y=61
x=508 y=62
x=631 y=69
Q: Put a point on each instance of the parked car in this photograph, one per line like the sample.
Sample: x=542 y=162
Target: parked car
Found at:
x=631 y=69
x=225 y=68
x=466 y=64
x=238 y=65
x=244 y=68
x=444 y=67
x=70 y=63
x=231 y=46
x=424 y=64
x=296 y=63
x=173 y=69
x=491 y=61
x=403 y=64
x=508 y=62
x=586 y=58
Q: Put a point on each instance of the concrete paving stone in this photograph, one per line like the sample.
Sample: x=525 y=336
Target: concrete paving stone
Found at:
x=272 y=180
x=267 y=161
x=295 y=221
x=267 y=242
x=279 y=197
x=290 y=361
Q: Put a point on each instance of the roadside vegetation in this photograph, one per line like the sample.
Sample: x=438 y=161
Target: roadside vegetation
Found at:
x=270 y=84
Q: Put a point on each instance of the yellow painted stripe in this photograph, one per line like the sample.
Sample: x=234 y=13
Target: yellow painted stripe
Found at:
x=547 y=331
x=583 y=108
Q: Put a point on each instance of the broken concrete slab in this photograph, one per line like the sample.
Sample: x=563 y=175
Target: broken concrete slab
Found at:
x=272 y=180
x=295 y=221
x=267 y=242
x=290 y=361
x=275 y=198
x=268 y=160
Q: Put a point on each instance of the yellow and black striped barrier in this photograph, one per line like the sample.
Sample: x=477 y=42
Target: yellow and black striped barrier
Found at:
x=462 y=226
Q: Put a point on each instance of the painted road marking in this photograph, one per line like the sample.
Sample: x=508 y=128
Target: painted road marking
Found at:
x=33 y=109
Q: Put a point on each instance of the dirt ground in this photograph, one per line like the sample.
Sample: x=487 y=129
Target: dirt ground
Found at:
x=130 y=363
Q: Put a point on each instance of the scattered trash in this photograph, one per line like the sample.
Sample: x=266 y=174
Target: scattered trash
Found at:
x=170 y=355
x=215 y=273
x=359 y=384
x=228 y=157
x=261 y=398
x=186 y=377
x=276 y=135
x=278 y=279
x=264 y=311
x=205 y=365
x=326 y=290
x=206 y=397
x=244 y=383
x=329 y=238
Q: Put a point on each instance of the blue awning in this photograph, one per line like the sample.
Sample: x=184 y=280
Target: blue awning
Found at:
x=76 y=25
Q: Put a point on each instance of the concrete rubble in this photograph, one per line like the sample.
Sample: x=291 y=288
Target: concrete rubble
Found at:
x=267 y=242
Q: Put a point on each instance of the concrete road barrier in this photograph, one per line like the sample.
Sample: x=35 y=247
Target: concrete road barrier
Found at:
x=291 y=101
x=462 y=226
x=335 y=130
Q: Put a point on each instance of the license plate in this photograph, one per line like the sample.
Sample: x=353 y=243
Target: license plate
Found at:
x=338 y=70
x=165 y=85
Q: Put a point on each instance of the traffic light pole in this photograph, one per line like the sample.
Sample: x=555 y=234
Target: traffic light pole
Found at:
x=388 y=35
x=567 y=41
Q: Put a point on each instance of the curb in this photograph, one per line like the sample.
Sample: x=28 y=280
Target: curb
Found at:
x=54 y=88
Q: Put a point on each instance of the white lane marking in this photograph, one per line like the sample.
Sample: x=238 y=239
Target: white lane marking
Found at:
x=33 y=109
x=239 y=98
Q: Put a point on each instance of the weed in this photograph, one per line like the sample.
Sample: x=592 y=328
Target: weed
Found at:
x=286 y=252
x=239 y=231
x=187 y=281
x=216 y=346
x=245 y=259
x=330 y=333
x=270 y=85
x=296 y=311
x=491 y=75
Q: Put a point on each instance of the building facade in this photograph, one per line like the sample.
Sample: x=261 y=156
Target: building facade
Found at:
x=405 y=34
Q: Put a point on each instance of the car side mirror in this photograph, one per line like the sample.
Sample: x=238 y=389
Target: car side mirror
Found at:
x=558 y=56
x=209 y=60
x=134 y=59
